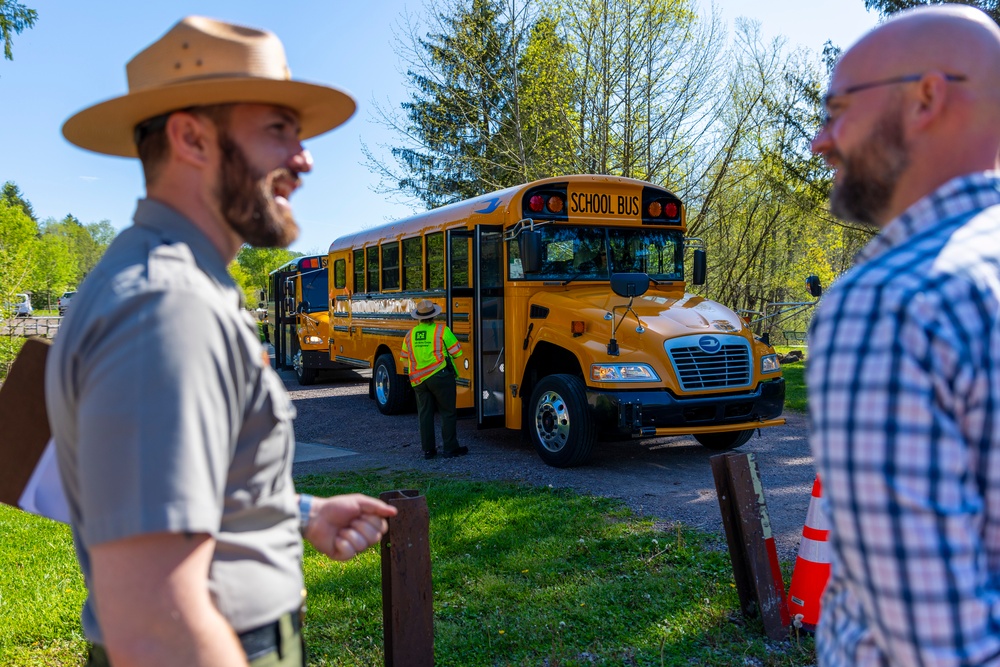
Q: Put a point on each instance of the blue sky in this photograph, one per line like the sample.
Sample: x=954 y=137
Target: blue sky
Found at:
x=76 y=54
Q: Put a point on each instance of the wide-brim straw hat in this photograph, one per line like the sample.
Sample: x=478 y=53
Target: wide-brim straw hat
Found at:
x=198 y=62
x=425 y=310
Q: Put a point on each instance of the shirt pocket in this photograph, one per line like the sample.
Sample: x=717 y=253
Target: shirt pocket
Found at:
x=267 y=443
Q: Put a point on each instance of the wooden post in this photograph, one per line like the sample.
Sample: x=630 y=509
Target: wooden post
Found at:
x=407 y=590
x=751 y=544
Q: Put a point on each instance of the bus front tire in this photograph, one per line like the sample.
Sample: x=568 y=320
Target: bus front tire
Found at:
x=389 y=387
x=305 y=376
x=561 y=426
x=722 y=442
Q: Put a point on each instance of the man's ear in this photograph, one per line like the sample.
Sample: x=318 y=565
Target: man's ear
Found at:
x=191 y=137
x=931 y=97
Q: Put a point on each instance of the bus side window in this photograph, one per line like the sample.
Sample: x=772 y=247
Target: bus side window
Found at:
x=340 y=274
x=460 y=262
x=413 y=259
x=390 y=266
x=371 y=253
x=435 y=261
x=359 y=271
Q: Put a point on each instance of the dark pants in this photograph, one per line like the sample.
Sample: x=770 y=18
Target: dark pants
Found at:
x=439 y=390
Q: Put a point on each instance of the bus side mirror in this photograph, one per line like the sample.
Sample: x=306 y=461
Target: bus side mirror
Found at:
x=700 y=267
x=629 y=284
x=262 y=297
x=815 y=289
x=289 y=303
x=303 y=307
x=530 y=244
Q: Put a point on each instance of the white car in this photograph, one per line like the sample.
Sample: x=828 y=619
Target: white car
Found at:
x=21 y=307
x=64 y=302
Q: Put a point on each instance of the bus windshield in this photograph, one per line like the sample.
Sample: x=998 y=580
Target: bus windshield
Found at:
x=583 y=253
x=315 y=289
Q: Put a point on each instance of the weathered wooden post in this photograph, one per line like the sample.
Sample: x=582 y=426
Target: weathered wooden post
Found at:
x=407 y=590
x=751 y=544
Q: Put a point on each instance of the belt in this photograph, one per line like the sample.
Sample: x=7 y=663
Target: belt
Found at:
x=267 y=639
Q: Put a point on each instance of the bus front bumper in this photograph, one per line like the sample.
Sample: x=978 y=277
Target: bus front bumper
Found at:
x=645 y=413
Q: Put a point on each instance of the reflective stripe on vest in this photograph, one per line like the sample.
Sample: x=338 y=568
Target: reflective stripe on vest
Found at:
x=420 y=373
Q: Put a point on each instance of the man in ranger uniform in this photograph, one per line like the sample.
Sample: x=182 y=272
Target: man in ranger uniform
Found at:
x=427 y=352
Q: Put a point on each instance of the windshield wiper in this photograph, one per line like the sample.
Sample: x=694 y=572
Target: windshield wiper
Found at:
x=574 y=277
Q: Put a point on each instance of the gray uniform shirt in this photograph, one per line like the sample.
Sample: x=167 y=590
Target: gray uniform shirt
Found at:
x=167 y=418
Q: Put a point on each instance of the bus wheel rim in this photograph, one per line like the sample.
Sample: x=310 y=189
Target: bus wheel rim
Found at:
x=382 y=384
x=552 y=422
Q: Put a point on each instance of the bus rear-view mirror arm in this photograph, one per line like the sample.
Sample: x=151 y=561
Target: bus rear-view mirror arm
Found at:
x=628 y=285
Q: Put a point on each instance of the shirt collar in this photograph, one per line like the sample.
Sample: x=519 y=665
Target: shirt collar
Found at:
x=954 y=199
x=176 y=228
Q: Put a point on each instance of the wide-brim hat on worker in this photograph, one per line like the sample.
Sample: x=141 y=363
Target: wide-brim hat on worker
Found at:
x=425 y=310
x=198 y=62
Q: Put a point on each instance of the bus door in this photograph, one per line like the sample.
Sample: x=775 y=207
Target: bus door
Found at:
x=459 y=308
x=284 y=337
x=489 y=385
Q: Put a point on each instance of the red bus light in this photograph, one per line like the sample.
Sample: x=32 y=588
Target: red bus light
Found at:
x=655 y=209
x=555 y=204
x=536 y=203
x=671 y=210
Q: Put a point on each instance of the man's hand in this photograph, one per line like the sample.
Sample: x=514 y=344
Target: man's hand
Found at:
x=343 y=526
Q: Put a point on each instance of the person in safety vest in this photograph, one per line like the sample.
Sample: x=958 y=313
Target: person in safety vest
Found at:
x=427 y=352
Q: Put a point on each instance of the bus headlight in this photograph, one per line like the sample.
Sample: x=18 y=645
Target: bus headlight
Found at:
x=312 y=340
x=623 y=373
x=769 y=364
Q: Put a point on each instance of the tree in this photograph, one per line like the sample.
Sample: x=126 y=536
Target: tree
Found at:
x=17 y=256
x=14 y=19
x=886 y=7
x=12 y=196
x=87 y=242
x=54 y=271
x=252 y=266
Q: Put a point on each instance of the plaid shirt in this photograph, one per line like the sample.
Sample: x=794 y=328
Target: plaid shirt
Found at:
x=904 y=395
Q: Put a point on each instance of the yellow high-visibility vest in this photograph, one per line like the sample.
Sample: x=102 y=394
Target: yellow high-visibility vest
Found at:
x=426 y=348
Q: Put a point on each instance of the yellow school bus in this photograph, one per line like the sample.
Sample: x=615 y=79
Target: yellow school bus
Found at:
x=568 y=297
x=299 y=312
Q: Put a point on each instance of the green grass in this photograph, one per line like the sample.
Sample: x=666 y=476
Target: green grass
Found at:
x=41 y=592
x=795 y=381
x=522 y=576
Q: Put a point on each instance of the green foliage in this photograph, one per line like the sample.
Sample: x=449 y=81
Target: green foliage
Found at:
x=15 y=18
x=11 y=195
x=522 y=576
x=71 y=251
x=886 y=7
x=55 y=271
x=252 y=265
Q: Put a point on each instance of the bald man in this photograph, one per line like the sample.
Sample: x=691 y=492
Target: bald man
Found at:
x=904 y=374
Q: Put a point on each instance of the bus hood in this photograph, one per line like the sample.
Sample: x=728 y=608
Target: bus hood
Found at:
x=666 y=315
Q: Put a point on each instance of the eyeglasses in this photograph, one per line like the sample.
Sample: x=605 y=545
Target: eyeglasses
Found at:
x=850 y=90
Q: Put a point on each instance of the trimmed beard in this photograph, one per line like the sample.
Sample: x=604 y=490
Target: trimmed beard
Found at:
x=246 y=197
x=869 y=178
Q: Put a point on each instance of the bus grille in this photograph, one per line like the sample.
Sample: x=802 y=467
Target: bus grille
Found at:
x=696 y=369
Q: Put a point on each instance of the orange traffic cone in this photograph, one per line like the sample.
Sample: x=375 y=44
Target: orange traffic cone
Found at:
x=812 y=567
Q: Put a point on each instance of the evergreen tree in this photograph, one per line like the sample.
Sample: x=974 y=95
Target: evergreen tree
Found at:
x=11 y=195
x=14 y=19
x=886 y=7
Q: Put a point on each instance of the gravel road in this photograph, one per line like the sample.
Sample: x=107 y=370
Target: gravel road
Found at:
x=665 y=478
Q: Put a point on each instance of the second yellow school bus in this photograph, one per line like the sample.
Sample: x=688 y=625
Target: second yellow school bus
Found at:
x=568 y=297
